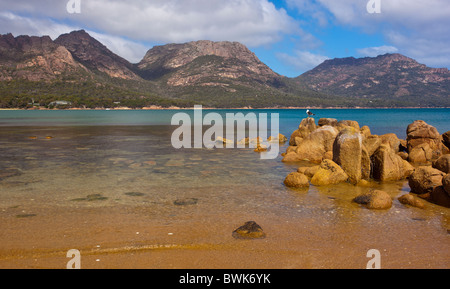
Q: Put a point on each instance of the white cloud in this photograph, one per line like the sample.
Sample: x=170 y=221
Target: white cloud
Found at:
x=130 y=50
x=417 y=28
x=302 y=60
x=252 y=22
x=19 y=25
x=375 y=51
x=129 y=28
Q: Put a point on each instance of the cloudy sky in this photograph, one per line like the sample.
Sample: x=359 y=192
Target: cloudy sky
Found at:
x=291 y=36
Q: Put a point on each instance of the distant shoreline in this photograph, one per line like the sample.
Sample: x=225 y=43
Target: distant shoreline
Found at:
x=213 y=108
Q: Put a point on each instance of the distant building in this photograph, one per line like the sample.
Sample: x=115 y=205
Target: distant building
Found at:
x=60 y=102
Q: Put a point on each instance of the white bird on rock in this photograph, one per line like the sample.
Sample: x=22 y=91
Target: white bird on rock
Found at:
x=309 y=113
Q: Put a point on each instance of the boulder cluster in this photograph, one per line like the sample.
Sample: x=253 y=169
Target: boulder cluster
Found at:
x=346 y=152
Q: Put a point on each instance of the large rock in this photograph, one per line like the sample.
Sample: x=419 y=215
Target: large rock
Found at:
x=387 y=165
x=424 y=179
x=307 y=126
x=365 y=131
x=372 y=143
x=329 y=173
x=328 y=121
x=366 y=164
x=374 y=199
x=392 y=140
x=280 y=139
x=443 y=164
x=313 y=147
x=296 y=180
x=351 y=123
x=421 y=154
x=440 y=197
x=308 y=171
x=347 y=152
x=419 y=132
x=446 y=183
x=446 y=139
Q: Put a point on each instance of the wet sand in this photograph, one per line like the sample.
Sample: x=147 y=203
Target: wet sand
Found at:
x=132 y=237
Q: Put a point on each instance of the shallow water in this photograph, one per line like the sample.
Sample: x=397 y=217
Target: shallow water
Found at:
x=79 y=186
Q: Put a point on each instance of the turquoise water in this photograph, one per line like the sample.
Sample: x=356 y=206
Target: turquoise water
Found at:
x=380 y=121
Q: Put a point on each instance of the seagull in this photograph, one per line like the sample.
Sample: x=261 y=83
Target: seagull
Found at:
x=309 y=113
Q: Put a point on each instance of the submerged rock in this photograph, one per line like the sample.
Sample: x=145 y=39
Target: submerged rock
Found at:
x=91 y=198
x=135 y=194
x=260 y=148
x=23 y=216
x=280 y=138
x=250 y=230
x=374 y=199
x=410 y=200
x=8 y=173
x=296 y=180
x=186 y=202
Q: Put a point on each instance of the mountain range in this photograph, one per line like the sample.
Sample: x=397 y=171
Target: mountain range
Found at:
x=78 y=69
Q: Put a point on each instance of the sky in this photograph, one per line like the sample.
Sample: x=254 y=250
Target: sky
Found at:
x=290 y=36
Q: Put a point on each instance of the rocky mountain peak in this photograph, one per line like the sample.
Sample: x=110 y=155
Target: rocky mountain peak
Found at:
x=34 y=58
x=374 y=78
x=94 y=55
x=193 y=62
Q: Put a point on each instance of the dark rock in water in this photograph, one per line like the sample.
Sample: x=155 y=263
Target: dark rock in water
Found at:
x=135 y=194
x=26 y=216
x=374 y=199
x=8 y=173
x=249 y=230
x=410 y=200
x=91 y=198
x=186 y=202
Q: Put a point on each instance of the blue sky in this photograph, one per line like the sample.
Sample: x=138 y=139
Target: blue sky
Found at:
x=290 y=36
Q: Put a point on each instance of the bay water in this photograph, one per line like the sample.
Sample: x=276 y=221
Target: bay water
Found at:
x=124 y=159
